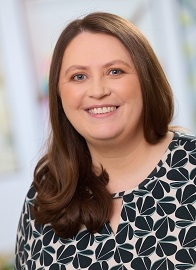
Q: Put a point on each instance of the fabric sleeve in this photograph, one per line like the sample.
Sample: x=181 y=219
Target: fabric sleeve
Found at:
x=24 y=231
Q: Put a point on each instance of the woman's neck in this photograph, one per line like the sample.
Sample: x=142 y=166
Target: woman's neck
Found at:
x=128 y=165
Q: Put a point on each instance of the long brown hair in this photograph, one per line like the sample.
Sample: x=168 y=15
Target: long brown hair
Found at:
x=70 y=193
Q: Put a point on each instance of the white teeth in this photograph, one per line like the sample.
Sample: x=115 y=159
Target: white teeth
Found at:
x=102 y=110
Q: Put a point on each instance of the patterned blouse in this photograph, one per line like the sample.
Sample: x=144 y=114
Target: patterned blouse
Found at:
x=157 y=230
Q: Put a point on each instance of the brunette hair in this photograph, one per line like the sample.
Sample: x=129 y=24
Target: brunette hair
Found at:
x=70 y=194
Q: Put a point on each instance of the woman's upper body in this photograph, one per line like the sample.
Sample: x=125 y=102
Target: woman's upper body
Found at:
x=156 y=227
x=110 y=110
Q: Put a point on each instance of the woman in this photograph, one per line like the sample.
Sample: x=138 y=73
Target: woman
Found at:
x=116 y=188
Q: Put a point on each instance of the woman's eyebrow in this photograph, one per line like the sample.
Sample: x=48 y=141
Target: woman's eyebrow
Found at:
x=73 y=67
x=117 y=61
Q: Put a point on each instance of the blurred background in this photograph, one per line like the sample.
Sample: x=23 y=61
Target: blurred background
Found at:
x=28 y=32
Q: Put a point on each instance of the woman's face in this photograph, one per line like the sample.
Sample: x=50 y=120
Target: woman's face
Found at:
x=100 y=89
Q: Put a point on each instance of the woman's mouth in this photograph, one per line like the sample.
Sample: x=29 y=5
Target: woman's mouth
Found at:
x=102 y=110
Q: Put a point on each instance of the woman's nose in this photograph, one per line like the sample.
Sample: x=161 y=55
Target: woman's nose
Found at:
x=98 y=89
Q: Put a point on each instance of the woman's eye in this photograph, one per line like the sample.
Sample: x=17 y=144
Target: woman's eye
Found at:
x=115 y=71
x=78 y=77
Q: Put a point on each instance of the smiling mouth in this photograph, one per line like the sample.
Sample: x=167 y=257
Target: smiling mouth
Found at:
x=102 y=110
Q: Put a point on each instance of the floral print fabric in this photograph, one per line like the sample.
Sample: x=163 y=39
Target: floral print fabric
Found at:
x=157 y=230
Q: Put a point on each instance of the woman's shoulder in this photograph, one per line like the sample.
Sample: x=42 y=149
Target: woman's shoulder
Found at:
x=185 y=136
x=31 y=194
x=185 y=141
x=28 y=202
